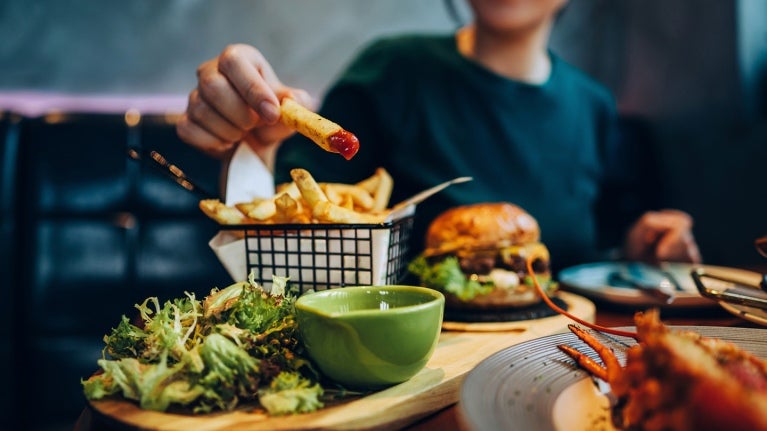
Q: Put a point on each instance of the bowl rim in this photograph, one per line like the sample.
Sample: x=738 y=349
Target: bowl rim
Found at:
x=437 y=297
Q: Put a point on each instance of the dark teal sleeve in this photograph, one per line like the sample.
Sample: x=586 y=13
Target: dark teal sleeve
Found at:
x=630 y=185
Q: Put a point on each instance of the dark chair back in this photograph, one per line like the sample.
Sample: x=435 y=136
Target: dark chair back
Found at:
x=97 y=233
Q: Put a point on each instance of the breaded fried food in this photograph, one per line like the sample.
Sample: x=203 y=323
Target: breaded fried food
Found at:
x=680 y=380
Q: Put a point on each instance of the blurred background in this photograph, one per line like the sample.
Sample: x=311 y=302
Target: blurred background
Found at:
x=691 y=75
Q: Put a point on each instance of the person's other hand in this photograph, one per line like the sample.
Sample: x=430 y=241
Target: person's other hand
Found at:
x=237 y=99
x=664 y=235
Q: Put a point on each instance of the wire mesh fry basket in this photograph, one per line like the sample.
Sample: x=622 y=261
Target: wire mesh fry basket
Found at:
x=324 y=256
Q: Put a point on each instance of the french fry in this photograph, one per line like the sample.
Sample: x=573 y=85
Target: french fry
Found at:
x=258 y=209
x=221 y=213
x=244 y=207
x=347 y=203
x=382 y=194
x=309 y=188
x=333 y=195
x=380 y=186
x=325 y=133
x=289 y=188
x=331 y=213
x=370 y=184
x=305 y=201
x=359 y=196
x=288 y=209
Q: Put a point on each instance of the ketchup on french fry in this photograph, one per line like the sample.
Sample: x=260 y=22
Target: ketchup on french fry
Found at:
x=345 y=143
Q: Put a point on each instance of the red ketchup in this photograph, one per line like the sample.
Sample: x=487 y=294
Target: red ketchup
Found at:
x=344 y=143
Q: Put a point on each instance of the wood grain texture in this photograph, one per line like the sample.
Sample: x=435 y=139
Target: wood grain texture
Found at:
x=433 y=388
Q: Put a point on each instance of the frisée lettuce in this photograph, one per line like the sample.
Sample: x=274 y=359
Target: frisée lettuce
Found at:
x=448 y=277
x=239 y=344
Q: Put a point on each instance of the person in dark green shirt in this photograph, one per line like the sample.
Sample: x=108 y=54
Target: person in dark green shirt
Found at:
x=428 y=114
x=491 y=102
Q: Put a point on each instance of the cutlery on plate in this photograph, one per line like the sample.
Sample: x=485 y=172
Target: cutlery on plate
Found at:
x=648 y=280
x=158 y=162
x=663 y=267
x=726 y=289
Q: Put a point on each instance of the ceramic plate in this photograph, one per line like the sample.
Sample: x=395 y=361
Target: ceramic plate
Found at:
x=742 y=283
x=751 y=314
x=594 y=281
x=534 y=386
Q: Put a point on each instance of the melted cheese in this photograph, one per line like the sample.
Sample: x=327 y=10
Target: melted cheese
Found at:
x=533 y=250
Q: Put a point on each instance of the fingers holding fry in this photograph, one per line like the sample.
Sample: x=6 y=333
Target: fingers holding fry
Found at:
x=325 y=133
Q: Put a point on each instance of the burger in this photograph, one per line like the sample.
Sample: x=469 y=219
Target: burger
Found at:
x=477 y=256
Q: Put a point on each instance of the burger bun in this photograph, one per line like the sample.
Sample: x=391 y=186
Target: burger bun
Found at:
x=481 y=226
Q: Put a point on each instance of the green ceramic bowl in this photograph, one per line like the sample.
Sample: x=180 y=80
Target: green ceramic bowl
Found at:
x=369 y=337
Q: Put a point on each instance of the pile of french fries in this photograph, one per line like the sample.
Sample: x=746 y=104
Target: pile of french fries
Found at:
x=304 y=200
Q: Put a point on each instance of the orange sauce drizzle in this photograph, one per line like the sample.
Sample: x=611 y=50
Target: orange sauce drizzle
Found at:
x=555 y=307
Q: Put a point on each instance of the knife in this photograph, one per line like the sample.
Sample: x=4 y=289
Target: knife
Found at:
x=647 y=280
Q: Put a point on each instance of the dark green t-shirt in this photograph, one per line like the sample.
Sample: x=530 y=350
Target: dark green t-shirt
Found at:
x=428 y=114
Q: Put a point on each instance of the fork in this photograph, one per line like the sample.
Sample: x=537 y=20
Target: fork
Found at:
x=157 y=161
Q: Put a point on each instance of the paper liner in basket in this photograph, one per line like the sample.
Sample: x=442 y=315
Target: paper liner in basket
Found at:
x=230 y=250
x=247 y=178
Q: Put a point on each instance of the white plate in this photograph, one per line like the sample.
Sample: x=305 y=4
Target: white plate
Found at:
x=592 y=281
x=534 y=386
x=755 y=315
x=744 y=279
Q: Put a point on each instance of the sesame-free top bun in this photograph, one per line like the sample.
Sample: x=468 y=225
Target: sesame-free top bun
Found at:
x=478 y=226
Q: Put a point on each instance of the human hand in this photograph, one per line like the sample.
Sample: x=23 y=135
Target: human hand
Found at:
x=237 y=99
x=664 y=235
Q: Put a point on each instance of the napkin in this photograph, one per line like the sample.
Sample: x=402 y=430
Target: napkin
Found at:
x=247 y=178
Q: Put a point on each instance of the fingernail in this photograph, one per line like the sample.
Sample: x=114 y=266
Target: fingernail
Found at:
x=269 y=111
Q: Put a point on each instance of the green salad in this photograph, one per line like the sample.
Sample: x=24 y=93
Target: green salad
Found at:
x=239 y=344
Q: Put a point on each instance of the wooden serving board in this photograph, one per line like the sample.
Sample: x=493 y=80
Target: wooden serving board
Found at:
x=433 y=388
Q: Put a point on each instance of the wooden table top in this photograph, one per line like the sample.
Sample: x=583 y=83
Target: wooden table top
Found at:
x=606 y=315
